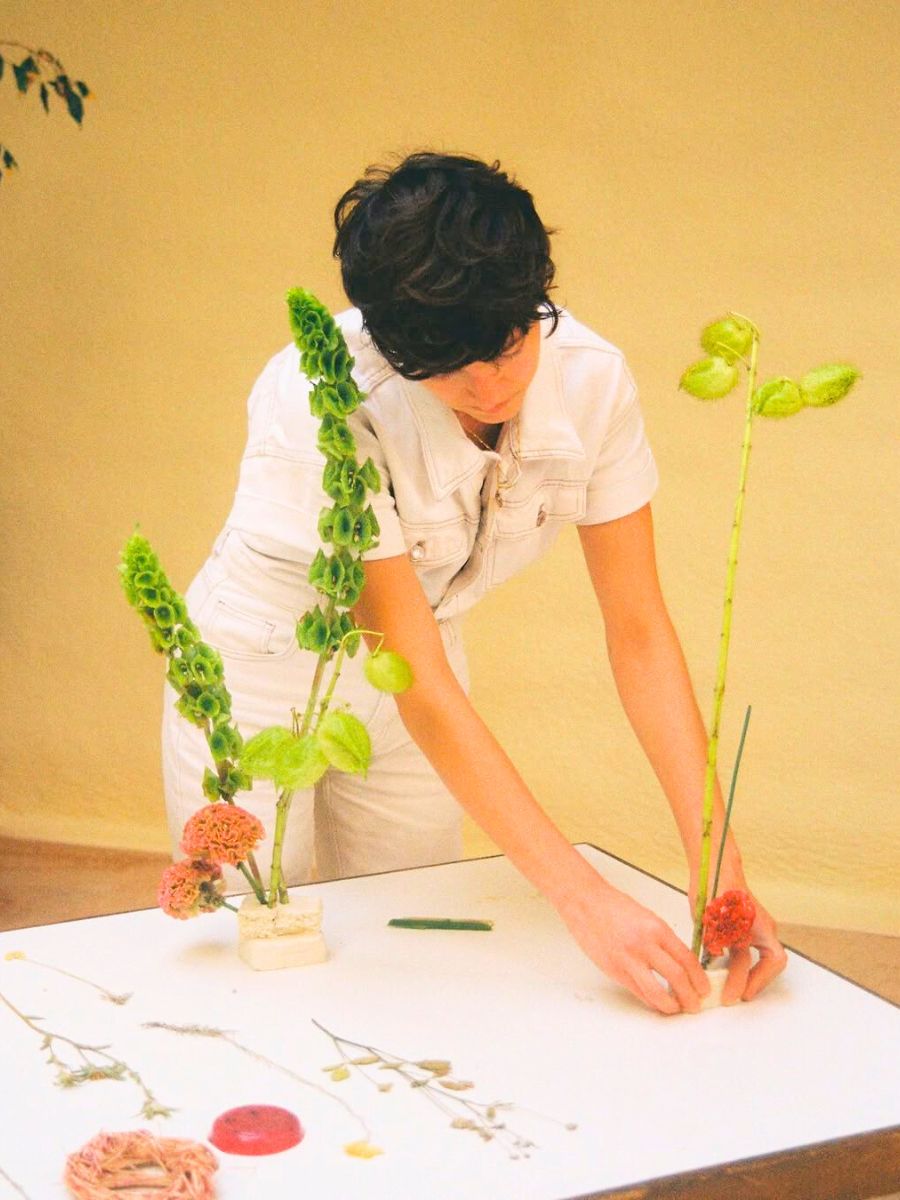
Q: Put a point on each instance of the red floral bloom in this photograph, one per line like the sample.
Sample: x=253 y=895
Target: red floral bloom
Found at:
x=727 y=922
x=222 y=833
x=189 y=888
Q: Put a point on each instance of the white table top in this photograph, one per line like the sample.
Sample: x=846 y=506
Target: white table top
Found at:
x=519 y=1011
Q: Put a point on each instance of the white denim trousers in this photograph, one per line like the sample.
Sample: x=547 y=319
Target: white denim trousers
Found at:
x=246 y=605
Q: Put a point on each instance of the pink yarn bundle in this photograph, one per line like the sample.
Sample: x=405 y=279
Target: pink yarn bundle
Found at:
x=142 y=1166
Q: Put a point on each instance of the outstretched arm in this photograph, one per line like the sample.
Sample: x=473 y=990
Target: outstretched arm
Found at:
x=655 y=688
x=627 y=941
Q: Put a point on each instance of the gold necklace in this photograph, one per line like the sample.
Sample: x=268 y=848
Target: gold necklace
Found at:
x=481 y=442
x=503 y=480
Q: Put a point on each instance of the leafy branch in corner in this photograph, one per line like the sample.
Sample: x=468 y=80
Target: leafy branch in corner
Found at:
x=45 y=71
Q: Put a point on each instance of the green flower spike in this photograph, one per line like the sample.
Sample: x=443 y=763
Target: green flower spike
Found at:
x=709 y=379
x=827 y=385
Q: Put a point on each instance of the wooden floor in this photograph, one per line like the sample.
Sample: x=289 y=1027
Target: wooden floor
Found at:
x=43 y=882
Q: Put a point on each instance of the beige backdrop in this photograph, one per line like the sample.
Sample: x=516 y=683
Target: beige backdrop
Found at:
x=694 y=155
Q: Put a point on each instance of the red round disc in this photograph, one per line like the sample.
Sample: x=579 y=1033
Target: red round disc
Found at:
x=256 y=1129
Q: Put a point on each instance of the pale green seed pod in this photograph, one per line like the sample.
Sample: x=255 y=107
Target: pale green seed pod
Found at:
x=261 y=753
x=345 y=742
x=826 y=385
x=730 y=338
x=709 y=379
x=300 y=764
x=388 y=671
x=777 y=398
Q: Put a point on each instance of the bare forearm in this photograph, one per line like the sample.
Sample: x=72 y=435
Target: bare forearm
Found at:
x=655 y=688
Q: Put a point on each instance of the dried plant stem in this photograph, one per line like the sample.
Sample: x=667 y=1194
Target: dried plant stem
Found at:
x=724 y=640
x=15 y=1186
x=433 y=1079
x=112 y=997
x=225 y=1036
x=91 y=1069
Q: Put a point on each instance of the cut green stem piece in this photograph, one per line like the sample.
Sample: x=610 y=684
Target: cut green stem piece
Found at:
x=439 y=923
x=734 y=775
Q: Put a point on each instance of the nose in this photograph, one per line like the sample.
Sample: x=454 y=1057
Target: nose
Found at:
x=481 y=378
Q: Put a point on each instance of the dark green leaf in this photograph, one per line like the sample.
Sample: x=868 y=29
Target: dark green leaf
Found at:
x=45 y=97
x=25 y=72
x=75 y=105
x=2 y=64
x=8 y=161
x=82 y=87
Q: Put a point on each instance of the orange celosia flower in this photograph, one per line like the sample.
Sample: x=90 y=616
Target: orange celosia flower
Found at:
x=222 y=833
x=727 y=922
x=189 y=888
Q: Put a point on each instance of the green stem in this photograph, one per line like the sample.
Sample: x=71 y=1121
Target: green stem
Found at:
x=277 y=890
x=339 y=662
x=724 y=640
x=728 y=807
x=706 y=956
x=258 y=890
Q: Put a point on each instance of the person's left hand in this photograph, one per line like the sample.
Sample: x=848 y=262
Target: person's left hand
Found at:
x=746 y=979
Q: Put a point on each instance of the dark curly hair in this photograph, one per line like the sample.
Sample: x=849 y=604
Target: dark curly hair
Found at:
x=446 y=259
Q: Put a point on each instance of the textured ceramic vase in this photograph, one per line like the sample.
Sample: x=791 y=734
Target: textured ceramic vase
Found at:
x=287 y=935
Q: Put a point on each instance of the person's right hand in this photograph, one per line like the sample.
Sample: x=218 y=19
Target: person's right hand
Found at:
x=629 y=943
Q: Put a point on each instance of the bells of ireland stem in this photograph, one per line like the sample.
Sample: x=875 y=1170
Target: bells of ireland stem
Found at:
x=777 y=398
x=826 y=385
x=730 y=338
x=709 y=379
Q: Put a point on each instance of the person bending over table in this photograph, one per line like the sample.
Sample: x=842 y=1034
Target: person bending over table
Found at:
x=494 y=418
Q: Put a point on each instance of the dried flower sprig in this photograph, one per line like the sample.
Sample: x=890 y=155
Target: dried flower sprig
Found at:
x=112 y=997
x=210 y=1031
x=728 y=342
x=16 y=1187
x=435 y=1080
x=96 y=1063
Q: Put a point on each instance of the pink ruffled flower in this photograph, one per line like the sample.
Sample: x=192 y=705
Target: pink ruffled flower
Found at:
x=727 y=922
x=189 y=888
x=222 y=833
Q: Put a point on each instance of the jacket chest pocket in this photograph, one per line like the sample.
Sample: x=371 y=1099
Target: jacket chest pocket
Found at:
x=526 y=529
x=438 y=550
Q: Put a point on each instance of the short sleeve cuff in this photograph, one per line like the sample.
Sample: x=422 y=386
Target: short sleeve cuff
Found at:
x=620 y=497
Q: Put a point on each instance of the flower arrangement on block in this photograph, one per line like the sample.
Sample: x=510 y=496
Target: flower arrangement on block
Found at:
x=322 y=734
x=725 y=922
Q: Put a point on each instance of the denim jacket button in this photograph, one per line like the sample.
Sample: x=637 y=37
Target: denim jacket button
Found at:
x=417 y=553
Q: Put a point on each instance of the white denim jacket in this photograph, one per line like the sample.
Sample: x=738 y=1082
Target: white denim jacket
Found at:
x=468 y=518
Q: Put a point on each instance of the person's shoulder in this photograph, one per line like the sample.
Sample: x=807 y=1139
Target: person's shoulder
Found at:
x=369 y=367
x=573 y=336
